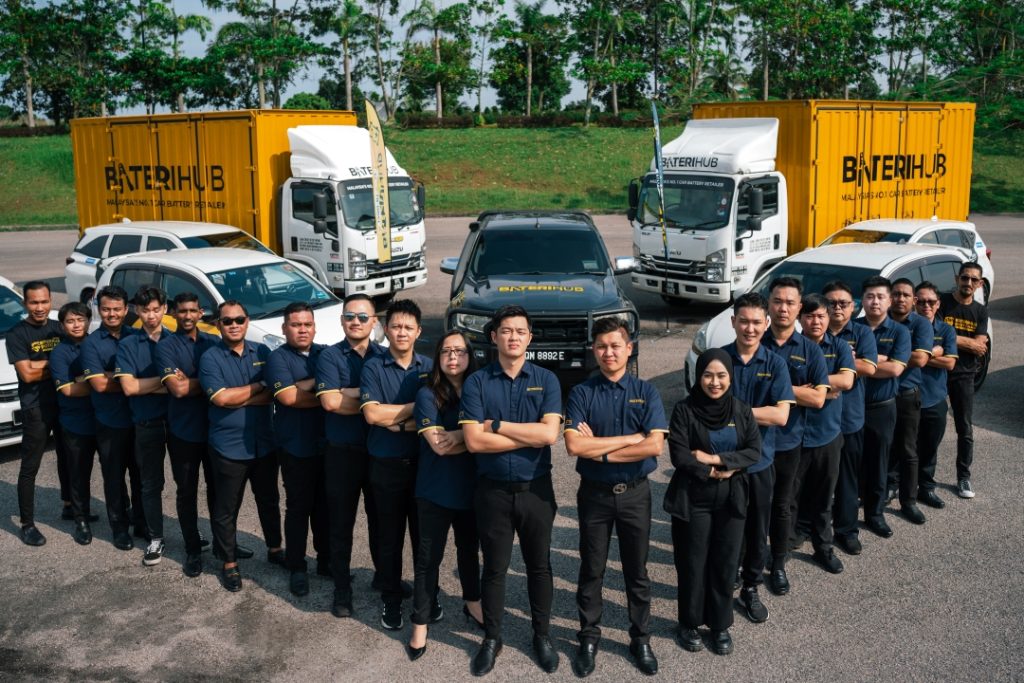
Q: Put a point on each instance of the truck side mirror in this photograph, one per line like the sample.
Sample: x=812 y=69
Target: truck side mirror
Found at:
x=320 y=206
x=753 y=222
x=634 y=199
x=421 y=198
x=756 y=201
x=319 y=226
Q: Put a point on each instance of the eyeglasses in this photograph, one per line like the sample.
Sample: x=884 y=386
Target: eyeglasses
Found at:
x=968 y=278
x=457 y=352
x=838 y=303
x=361 y=317
x=927 y=302
x=237 y=320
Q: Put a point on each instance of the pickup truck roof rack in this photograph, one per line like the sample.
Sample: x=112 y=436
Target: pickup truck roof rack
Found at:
x=530 y=213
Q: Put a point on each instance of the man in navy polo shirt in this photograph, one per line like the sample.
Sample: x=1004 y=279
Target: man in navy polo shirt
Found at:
x=893 y=342
x=241 y=438
x=78 y=428
x=809 y=377
x=511 y=415
x=115 y=432
x=839 y=298
x=299 y=434
x=178 y=357
x=389 y=384
x=347 y=462
x=761 y=380
x=903 y=465
x=823 y=439
x=615 y=427
x=139 y=373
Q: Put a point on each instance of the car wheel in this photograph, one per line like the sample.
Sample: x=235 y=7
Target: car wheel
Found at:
x=982 y=372
x=675 y=301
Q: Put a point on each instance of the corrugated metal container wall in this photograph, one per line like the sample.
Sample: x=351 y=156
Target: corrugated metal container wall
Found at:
x=851 y=160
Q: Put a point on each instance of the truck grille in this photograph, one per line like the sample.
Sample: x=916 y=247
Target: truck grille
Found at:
x=560 y=329
x=679 y=267
x=396 y=265
x=9 y=394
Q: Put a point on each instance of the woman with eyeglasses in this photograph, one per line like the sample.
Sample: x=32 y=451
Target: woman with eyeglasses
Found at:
x=445 y=481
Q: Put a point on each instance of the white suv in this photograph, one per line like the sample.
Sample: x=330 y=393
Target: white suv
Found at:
x=117 y=239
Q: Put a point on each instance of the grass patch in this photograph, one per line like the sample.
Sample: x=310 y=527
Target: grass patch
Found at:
x=466 y=171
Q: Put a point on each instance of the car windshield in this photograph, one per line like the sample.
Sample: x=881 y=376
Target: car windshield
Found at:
x=267 y=289
x=814 y=277
x=11 y=310
x=232 y=240
x=536 y=252
x=694 y=202
x=857 y=236
x=357 y=203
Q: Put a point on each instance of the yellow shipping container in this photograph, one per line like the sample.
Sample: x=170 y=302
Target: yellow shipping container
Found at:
x=852 y=160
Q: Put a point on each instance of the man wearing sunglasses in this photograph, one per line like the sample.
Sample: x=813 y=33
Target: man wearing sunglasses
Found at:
x=241 y=442
x=970 y=320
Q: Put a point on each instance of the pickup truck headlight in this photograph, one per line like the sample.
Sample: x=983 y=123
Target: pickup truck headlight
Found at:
x=356 y=264
x=272 y=341
x=473 y=323
x=700 y=340
x=715 y=271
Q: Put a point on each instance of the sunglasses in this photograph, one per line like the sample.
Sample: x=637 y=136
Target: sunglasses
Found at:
x=928 y=302
x=237 y=320
x=361 y=317
x=968 y=278
x=838 y=303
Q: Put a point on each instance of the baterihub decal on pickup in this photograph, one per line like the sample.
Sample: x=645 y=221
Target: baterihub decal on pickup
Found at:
x=517 y=289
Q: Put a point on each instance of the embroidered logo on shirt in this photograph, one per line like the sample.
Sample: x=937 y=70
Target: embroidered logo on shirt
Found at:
x=257 y=363
x=800 y=359
x=637 y=400
x=535 y=388
x=764 y=374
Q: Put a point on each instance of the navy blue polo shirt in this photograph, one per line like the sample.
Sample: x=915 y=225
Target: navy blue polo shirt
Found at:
x=933 y=380
x=236 y=433
x=892 y=341
x=187 y=416
x=385 y=381
x=136 y=357
x=724 y=440
x=299 y=431
x=73 y=412
x=447 y=481
x=921 y=332
x=862 y=343
x=806 y=366
x=629 y=406
x=764 y=381
x=339 y=367
x=99 y=355
x=490 y=394
x=824 y=424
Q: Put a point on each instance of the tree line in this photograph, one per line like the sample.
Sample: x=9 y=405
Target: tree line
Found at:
x=70 y=58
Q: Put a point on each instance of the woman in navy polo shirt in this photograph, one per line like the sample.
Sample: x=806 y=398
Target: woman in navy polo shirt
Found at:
x=713 y=438
x=445 y=481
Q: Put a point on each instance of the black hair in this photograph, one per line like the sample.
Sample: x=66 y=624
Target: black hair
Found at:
x=750 y=300
x=36 y=284
x=903 y=281
x=610 y=324
x=406 y=306
x=147 y=295
x=296 y=307
x=876 y=281
x=112 y=292
x=786 y=281
x=186 y=298
x=233 y=302
x=359 y=296
x=836 y=286
x=812 y=302
x=927 y=284
x=966 y=265
x=510 y=311
x=74 y=308
x=444 y=392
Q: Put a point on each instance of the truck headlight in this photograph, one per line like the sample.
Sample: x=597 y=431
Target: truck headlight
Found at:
x=700 y=340
x=357 y=269
x=715 y=270
x=272 y=341
x=473 y=323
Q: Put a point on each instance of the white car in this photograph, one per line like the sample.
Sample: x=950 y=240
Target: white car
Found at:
x=11 y=313
x=117 y=239
x=851 y=263
x=960 y=235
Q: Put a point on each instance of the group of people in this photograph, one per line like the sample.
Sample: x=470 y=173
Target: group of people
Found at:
x=783 y=435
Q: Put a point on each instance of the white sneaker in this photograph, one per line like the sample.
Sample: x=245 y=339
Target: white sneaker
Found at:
x=154 y=552
x=963 y=489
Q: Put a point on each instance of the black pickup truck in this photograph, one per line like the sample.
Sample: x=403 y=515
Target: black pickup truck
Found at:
x=555 y=265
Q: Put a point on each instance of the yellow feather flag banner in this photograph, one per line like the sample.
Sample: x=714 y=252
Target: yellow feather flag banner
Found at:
x=379 y=175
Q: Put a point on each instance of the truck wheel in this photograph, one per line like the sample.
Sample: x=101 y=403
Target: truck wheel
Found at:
x=633 y=367
x=675 y=301
x=982 y=372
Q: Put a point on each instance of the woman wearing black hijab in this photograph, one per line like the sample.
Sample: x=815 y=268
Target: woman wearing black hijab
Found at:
x=712 y=438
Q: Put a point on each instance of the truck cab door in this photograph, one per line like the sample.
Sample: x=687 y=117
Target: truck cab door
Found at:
x=307 y=236
x=760 y=236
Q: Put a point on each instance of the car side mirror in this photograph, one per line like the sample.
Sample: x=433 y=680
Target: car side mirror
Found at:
x=421 y=198
x=319 y=226
x=634 y=199
x=449 y=264
x=756 y=202
x=320 y=205
x=754 y=222
x=624 y=265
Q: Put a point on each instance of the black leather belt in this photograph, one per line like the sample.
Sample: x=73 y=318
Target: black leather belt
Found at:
x=879 y=404
x=909 y=392
x=611 y=489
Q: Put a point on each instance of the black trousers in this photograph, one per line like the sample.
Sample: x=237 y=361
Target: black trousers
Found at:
x=305 y=507
x=815 y=489
x=961 y=402
x=629 y=514
x=781 y=527
x=346 y=475
x=187 y=457
x=229 y=480
x=150 y=448
x=706 y=550
x=394 y=486
x=844 y=510
x=903 y=462
x=116 y=446
x=435 y=521
x=760 y=486
x=37 y=424
x=504 y=510
x=929 y=435
x=81 y=453
x=879 y=422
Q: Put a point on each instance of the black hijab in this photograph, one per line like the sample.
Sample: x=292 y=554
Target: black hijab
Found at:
x=712 y=413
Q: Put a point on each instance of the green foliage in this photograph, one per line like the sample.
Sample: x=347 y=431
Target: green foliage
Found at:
x=307 y=100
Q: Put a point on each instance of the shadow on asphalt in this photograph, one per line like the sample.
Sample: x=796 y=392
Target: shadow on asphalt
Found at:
x=992 y=410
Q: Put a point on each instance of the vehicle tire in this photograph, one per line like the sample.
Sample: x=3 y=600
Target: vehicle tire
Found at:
x=633 y=366
x=87 y=293
x=987 y=287
x=675 y=301
x=982 y=372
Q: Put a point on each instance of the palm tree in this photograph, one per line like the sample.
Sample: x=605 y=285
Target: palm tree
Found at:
x=349 y=23
x=427 y=17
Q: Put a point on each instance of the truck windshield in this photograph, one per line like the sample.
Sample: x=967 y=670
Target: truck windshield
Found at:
x=11 y=310
x=267 y=289
x=694 y=202
x=814 y=276
x=538 y=252
x=357 y=203
x=231 y=240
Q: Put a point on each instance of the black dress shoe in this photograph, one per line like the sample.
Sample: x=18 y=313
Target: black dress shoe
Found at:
x=123 y=540
x=721 y=642
x=850 y=544
x=879 y=527
x=243 y=553
x=275 y=557
x=828 y=561
x=547 y=655
x=83 y=533
x=415 y=653
x=204 y=545
x=778 y=582
x=690 y=640
x=912 y=513
x=193 y=566
x=583 y=664
x=483 y=660
x=643 y=657
x=232 y=579
x=469 y=615
x=30 y=535
x=931 y=499
x=298 y=584
x=342 y=605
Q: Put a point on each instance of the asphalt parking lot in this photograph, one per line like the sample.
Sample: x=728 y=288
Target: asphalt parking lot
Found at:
x=939 y=602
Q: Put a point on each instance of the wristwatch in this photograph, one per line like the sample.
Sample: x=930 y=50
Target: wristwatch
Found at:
x=495 y=426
